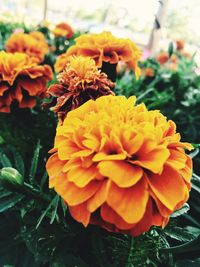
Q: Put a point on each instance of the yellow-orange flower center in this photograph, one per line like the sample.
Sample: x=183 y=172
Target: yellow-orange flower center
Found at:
x=81 y=69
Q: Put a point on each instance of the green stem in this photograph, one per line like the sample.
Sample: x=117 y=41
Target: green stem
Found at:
x=31 y=192
x=150 y=88
x=35 y=193
x=145 y=93
x=130 y=252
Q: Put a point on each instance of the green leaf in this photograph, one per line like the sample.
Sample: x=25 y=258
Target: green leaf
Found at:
x=193 y=230
x=8 y=202
x=196 y=182
x=43 y=180
x=170 y=49
x=4 y=192
x=53 y=205
x=34 y=163
x=192 y=220
x=67 y=260
x=19 y=163
x=5 y=160
x=178 y=233
x=12 y=250
x=189 y=246
x=181 y=211
x=2 y=141
x=64 y=207
x=188 y=263
x=194 y=153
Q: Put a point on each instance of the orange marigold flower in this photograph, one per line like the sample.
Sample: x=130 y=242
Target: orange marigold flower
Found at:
x=173 y=66
x=63 y=29
x=174 y=58
x=180 y=44
x=186 y=54
x=38 y=36
x=61 y=62
x=163 y=57
x=33 y=44
x=107 y=51
x=148 y=72
x=79 y=82
x=21 y=80
x=120 y=166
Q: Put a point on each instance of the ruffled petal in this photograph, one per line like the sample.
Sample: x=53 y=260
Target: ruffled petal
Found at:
x=80 y=213
x=72 y=194
x=154 y=160
x=129 y=203
x=122 y=173
x=82 y=176
x=110 y=216
x=100 y=197
x=169 y=187
x=54 y=167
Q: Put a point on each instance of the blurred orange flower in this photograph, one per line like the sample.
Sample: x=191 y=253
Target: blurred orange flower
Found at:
x=61 y=62
x=79 y=82
x=32 y=44
x=63 y=29
x=120 y=166
x=186 y=54
x=173 y=66
x=21 y=80
x=163 y=57
x=148 y=72
x=180 y=44
x=105 y=49
x=39 y=36
x=174 y=58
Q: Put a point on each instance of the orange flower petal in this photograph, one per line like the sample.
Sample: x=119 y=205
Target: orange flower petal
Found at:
x=120 y=172
x=69 y=190
x=66 y=148
x=54 y=167
x=177 y=159
x=186 y=172
x=82 y=176
x=3 y=88
x=154 y=160
x=99 y=198
x=133 y=145
x=103 y=156
x=109 y=215
x=129 y=203
x=80 y=213
x=168 y=187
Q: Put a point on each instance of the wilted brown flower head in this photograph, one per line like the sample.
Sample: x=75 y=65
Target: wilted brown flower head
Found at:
x=79 y=82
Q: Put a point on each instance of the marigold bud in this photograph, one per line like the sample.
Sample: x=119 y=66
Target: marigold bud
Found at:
x=10 y=177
